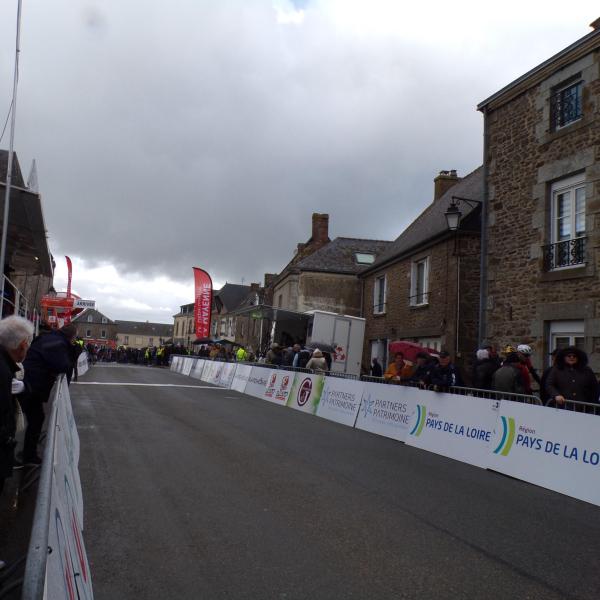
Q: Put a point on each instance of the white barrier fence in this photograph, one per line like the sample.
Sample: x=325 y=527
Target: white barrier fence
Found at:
x=57 y=565
x=552 y=448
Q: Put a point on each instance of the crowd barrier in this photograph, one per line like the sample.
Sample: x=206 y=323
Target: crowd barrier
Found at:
x=57 y=565
x=508 y=433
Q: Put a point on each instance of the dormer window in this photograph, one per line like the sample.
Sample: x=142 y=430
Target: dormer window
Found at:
x=364 y=259
x=90 y=319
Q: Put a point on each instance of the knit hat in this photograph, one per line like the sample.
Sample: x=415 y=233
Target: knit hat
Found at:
x=317 y=354
x=482 y=354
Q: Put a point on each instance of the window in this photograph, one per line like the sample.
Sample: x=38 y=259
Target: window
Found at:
x=230 y=327
x=566 y=333
x=379 y=351
x=566 y=105
x=433 y=343
x=379 y=295
x=419 y=282
x=176 y=328
x=567 y=237
x=90 y=319
x=126 y=339
x=364 y=259
x=150 y=341
x=191 y=326
x=103 y=334
x=88 y=333
x=280 y=301
x=104 y=320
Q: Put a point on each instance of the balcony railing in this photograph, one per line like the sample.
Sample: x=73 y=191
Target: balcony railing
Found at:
x=568 y=253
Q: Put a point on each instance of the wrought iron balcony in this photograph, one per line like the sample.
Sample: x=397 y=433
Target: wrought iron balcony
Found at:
x=564 y=254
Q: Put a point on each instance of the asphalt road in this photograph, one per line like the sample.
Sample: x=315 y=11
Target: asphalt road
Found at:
x=207 y=493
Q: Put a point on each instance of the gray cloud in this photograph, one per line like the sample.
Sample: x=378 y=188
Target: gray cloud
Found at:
x=206 y=133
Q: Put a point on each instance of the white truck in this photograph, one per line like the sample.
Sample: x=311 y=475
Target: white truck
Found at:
x=346 y=335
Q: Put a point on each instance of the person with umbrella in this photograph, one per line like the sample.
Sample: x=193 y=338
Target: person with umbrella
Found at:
x=398 y=370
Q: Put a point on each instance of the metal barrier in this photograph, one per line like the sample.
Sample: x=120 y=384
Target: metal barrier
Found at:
x=576 y=406
x=494 y=395
x=35 y=569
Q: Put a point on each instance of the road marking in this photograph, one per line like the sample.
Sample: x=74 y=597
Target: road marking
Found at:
x=198 y=387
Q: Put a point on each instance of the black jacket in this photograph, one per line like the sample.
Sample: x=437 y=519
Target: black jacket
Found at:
x=484 y=372
x=48 y=356
x=573 y=383
x=8 y=368
x=444 y=377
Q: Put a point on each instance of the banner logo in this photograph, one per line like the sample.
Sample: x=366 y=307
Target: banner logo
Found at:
x=508 y=436
x=304 y=392
x=273 y=378
x=285 y=381
x=418 y=428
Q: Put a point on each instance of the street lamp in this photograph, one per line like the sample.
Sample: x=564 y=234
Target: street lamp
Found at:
x=453 y=217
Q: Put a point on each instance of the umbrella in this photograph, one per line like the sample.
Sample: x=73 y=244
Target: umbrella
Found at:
x=204 y=340
x=224 y=341
x=322 y=347
x=409 y=349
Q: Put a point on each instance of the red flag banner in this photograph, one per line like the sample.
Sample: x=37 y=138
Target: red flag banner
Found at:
x=69 y=276
x=203 y=302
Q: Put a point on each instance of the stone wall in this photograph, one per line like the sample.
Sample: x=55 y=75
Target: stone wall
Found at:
x=525 y=158
x=330 y=292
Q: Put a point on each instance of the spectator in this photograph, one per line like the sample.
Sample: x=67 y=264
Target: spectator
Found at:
x=301 y=358
x=444 y=375
x=399 y=369
x=571 y=378
x=15 y=338
x=376 y=369
x=509 y=377
x=48 y=357
x=524 y=352
x=317 y=362
x=484 y=370
x=274 y=355
x=422 y=368
x=543 y=391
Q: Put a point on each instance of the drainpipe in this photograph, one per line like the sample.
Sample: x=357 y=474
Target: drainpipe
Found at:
x=484 y=234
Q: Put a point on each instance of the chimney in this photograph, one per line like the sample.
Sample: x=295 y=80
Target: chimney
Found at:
x=270 y=279
x=443 y=182
x=595 y=24
x=254 y=287
x=320 y=228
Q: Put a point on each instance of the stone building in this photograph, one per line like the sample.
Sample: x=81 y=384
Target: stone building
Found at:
x=96 y=328
x=323 y=273
x=142 y=334
x=425 y=286
x=183 y=326
x=542 y=174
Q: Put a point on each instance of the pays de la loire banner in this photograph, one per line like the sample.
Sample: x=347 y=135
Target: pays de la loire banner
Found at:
x=279 y=385
x=306 y=392
x=203 y=302
x=459 y=427
x=387 y=410
x=553 y=448
x=340 y=400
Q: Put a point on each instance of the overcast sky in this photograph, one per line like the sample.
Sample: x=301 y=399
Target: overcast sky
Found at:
x=206 y=132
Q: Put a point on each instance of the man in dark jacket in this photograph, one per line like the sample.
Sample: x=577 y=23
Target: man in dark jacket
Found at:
x=444 y=375
x=15 y=337
x=571 y=378
x=509 y=377
x=485 y=367
x=48 y=357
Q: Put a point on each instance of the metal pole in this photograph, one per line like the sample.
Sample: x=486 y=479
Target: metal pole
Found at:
x=10 y=154
x=483 y=248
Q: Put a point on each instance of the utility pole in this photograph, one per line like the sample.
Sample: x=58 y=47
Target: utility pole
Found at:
x=10 y=157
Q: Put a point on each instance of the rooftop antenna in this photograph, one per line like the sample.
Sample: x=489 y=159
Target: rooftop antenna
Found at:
x=10 y=155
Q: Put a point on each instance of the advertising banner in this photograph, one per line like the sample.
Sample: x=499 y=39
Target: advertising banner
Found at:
x=386 y=410
x=227 y=373
x=306 y=392
x=82 y=363
x=240 y=379
x=188 y=363
x=257 y=381
x=208 y=371
x=279 y=385
x=459 y=427
x=552 y=448
x=340 y=400
x=196 y=372
x=202 y=303
x=215 y=373
x=174 y=363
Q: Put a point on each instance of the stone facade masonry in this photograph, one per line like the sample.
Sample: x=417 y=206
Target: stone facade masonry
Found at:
x=451 y=314
x=525 y=157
